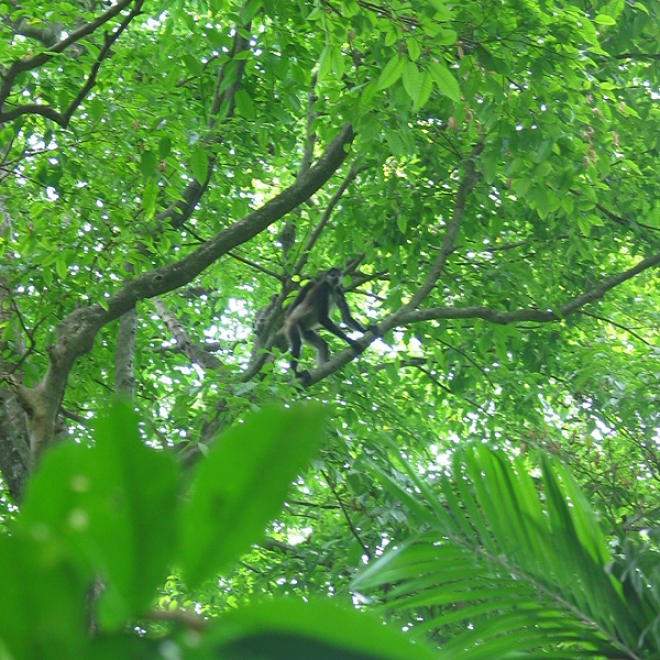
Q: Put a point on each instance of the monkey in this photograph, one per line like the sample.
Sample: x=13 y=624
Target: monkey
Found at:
x=310 y=310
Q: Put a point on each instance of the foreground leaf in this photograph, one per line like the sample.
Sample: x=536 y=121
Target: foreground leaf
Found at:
x=242 y=484
x=508 y=569
x=110 y=510
x=288 y=629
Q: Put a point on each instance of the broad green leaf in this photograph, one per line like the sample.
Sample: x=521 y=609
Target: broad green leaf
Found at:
x=149 y=198
x=391 y=72
x=97 y=507
x=412 y=80
x=446 y=37
x=96 y=109
x=413 y=48
x=443 y=13
x=244 y=105
x=249 y=10
x=42 y=599
x=338 y=61
x=425 y=89
x=445 y=81
x=130 y=647
x=199 y=164
x=391 y=37
x=325 y=63
x=61 y=268
x=604 y=19
x=193 y=64
x=286 y=629
x=540 y=197
x=241 y=485
x=164 y=147
x=148 y=162
x=394 y=143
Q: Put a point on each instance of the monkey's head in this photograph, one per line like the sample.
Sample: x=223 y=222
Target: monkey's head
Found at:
x=333 y=277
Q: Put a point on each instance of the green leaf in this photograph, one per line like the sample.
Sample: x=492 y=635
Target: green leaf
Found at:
x=412 y=80
x=97 y=507
x=193 y=64
x=338 y=61
x=249 y=10
x=391 y=37
x=149 y=198
x=96 y=109
x=540 y=197
x=604 y=19
x=325 y=63
x=148 y=163
x=61 y=268
x=442 y=11
x=242 y=484
x=517 y=567
x=445 y=81
x=199 y=164
x=244 y=106
x=413 y=48
x=285 y=629
x=42 y=600
x=391 y=72
x=394 y=143
x=446 y=37
x=425 y=89
x=164 y=147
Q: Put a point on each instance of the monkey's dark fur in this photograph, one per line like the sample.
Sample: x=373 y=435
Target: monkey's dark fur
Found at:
x=310 y=310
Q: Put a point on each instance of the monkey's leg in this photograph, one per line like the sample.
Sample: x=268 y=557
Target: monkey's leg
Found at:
x=313 y=339
x=294 y=338
x=296 y=344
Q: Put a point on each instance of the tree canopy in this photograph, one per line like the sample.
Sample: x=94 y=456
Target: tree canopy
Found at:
x=485 y=176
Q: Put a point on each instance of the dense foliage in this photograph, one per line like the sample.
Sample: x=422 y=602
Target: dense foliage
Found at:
x=484 y=174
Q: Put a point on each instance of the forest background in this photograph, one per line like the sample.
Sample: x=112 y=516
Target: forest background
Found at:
x=484 y=174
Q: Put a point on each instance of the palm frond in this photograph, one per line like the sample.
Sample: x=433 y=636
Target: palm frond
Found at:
x=509 y=565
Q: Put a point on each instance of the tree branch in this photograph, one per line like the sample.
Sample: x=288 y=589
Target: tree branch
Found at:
x=181 y=210
x=63 y=118
x=521 y=315
x=75 y=333
x=187 y=346
x=405 y=316
x=26 y=64
x=469 y=180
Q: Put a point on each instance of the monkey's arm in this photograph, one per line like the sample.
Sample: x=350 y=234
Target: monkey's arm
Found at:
x=348 y=319
x=325 y=320
x=346 y=316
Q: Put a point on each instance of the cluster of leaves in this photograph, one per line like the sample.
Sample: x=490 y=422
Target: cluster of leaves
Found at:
x=515 y=564
x=238 y=98
x=506 y=564
x=101 y=526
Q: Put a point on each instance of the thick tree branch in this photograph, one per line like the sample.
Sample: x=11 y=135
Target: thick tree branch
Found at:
x=409 y=316
x=124 y=353
x=75 y=334
x=181 y=210
x=26 y=64
x=187 y=346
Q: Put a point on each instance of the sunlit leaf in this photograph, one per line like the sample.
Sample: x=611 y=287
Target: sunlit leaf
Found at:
x=241 y=485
